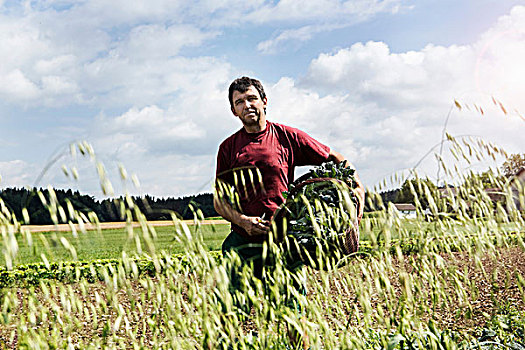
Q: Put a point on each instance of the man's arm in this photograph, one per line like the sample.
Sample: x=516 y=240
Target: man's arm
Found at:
x=338 y=158
x=253 y=225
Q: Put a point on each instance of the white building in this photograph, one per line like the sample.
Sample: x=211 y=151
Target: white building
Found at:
x=406 y=209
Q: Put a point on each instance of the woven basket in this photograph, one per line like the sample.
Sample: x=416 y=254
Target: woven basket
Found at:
x=347 y=242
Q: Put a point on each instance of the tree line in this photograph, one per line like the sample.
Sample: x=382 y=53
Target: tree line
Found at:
x=37 y=202
x=108 y=210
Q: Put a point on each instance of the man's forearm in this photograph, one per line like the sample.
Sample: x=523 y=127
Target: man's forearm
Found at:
x=227 y=211
x=252 y=225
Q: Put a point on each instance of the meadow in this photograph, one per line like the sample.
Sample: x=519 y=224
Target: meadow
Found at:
x=109 y=243
x=452 y=278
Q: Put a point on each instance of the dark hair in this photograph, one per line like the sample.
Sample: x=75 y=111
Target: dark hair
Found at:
x=242 y=84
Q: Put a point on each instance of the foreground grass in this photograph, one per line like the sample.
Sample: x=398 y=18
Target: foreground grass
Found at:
x=457 y=282
x=418 y=300
x=454 y=280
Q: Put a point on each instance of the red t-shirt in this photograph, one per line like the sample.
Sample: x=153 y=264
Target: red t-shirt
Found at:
x=272 y=154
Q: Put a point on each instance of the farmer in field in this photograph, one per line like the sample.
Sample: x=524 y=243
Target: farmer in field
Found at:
x=258 y=161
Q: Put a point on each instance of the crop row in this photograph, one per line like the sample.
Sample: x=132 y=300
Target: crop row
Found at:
x=91 y=271
x=96 y=270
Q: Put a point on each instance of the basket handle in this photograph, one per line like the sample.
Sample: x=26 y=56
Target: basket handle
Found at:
x=316 y=179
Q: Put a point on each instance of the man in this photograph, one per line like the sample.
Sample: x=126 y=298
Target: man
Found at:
x=258 y=161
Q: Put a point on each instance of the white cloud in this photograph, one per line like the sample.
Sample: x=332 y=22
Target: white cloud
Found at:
x=58 y=57
x=157 y=123
x=191 y=122
x=217 y=13
x=386 y=110
x=144 y=68
x=20 y=42
x=172 y=175
x=321 y=16
x=58 y=85
x=166 y=165
x=104 y=53
x=16 y=173
x=370 y=73
x=157 y=41
x=298 y=35
x=321 y=10
x=157 y=82
x=118 y=12
x=15 y=85
x=500 y=51
x=55 y=64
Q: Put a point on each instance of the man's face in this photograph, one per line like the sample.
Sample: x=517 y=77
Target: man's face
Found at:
x=249 y=107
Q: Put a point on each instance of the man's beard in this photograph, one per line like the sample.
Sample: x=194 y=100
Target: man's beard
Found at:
x=252 y=121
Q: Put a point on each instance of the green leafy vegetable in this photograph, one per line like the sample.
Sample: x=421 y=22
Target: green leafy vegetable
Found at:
x=317 y=222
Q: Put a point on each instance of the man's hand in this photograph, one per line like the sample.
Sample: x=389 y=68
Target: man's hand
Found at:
x=254 y=226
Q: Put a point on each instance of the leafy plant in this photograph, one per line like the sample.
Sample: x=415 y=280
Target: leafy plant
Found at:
x=318 y=221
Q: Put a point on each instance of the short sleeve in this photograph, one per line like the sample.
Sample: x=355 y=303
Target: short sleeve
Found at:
x=309 y=151
x=223 y=167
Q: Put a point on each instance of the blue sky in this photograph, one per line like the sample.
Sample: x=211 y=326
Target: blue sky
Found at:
x=145 y=83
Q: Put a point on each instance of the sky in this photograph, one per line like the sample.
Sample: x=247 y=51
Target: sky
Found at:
x=142 y=86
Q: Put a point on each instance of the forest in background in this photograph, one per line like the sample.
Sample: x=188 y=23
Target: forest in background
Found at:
x=107 y=210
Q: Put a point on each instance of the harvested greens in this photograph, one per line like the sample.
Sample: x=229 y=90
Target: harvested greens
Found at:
x=317 y=223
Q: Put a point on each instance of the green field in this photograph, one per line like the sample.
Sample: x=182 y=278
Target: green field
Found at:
x=110 y=243
x=436 y=284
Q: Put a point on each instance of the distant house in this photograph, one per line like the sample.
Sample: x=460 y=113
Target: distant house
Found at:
x=447 y=191
x=495 y=194
x=517 y=183
x=406 y=209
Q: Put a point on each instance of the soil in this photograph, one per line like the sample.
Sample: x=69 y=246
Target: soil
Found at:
x=489 y=298
x=113 y=225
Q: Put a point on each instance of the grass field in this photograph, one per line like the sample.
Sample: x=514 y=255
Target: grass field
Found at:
x=372 y=302
x=110 y=243
x=416 y=285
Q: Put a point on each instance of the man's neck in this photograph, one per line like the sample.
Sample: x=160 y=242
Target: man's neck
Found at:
x=252 y=129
